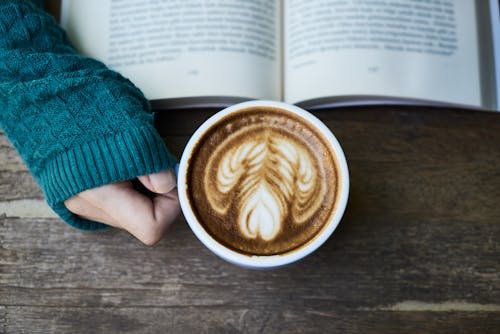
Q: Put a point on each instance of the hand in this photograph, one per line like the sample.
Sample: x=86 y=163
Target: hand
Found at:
x=120 y=205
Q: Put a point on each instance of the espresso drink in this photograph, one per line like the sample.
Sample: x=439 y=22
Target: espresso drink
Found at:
x=263 y=181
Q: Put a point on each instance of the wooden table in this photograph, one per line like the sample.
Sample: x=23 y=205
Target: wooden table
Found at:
x=418 y=250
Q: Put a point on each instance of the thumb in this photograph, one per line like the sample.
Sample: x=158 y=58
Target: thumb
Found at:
x=160 y=183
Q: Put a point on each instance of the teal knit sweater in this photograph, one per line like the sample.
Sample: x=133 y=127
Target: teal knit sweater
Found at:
x=77 y=124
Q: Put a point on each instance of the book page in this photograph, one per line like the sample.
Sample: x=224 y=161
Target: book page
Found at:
x=413 y=49
x=183 y=48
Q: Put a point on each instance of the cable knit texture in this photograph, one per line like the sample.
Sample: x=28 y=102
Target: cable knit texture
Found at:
x=76 y=123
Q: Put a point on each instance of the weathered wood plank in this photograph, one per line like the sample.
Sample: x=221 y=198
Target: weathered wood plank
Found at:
x=15 y=180
x=368 y=262
x=9 y=159
x=238 y=320
x=185 y=122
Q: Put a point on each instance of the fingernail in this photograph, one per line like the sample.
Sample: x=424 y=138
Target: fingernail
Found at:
x=163 y=182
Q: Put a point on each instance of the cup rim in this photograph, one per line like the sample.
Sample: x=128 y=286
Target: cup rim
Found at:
x=263 y=261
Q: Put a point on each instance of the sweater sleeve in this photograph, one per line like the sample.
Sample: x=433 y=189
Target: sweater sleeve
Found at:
x=77 y=124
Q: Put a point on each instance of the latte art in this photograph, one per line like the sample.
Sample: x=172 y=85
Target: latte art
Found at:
x=274 y=176
x=262 y=181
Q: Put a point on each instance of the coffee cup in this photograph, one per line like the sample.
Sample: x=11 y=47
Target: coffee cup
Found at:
x=263 y=184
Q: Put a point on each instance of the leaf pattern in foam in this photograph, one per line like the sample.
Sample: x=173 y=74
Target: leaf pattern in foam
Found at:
x=267 y=178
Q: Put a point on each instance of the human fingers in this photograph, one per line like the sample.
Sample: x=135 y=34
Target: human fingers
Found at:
x=160 y=183
x=147 y=219
x=84 y=209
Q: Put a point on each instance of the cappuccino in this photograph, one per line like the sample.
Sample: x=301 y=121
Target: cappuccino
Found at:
x=263 y=181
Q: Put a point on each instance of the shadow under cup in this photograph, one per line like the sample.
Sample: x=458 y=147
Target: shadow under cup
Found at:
x=263 y=184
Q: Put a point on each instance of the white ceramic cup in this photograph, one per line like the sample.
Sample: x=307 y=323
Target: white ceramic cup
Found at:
x=259 y=261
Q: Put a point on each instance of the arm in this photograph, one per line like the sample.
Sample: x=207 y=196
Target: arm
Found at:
x=77 y=124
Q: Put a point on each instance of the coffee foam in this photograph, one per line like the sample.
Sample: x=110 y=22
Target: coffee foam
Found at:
x=274 y=176
x=259 y=183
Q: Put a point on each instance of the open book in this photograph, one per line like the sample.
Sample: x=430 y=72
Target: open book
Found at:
x=314 y=53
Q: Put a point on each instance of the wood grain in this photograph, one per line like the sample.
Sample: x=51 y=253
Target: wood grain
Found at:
x=15 y=180
x=417 y=251
x=235 y=320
